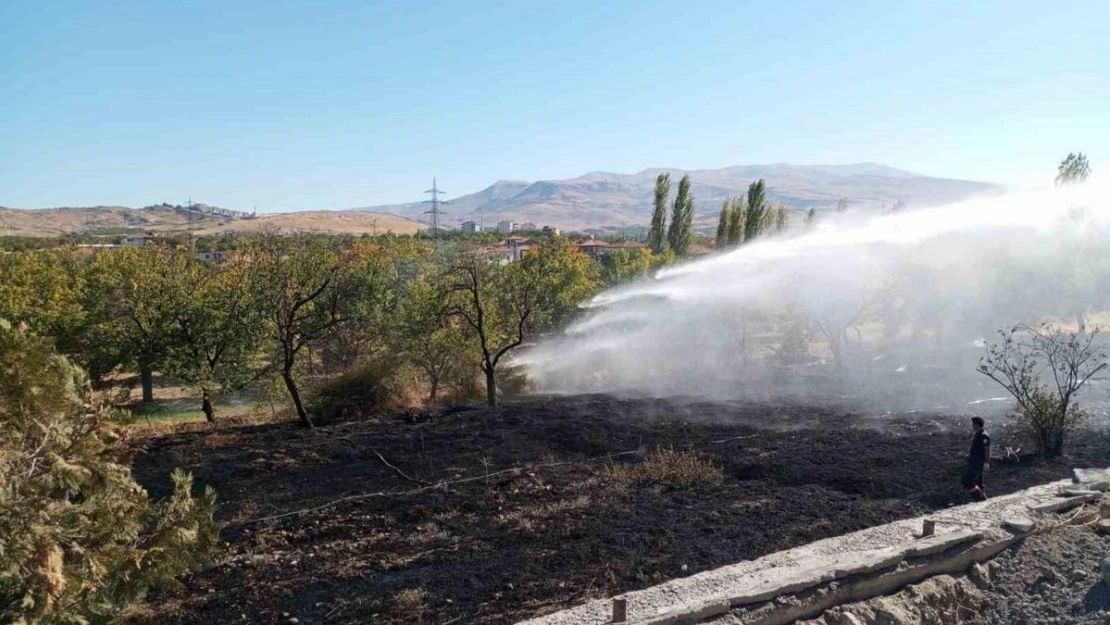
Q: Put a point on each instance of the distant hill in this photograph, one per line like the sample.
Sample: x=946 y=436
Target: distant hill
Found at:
x=606 y=200
x=200 y=218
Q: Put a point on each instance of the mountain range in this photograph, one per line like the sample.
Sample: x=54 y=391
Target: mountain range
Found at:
x=597 y=201
x=601 y=200
x=199 y=219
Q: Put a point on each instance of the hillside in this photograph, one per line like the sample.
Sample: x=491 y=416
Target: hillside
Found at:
x=601 y=199
x=53 y=222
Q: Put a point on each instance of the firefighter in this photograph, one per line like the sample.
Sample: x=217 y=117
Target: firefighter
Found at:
x=978 y=461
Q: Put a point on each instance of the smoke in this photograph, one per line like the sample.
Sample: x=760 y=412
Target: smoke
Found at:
x=889 y=311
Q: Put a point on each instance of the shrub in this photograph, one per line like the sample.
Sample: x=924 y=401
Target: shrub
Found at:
x=669 y=468
x=379 y=385
x=79 y=538
x=1046 y=411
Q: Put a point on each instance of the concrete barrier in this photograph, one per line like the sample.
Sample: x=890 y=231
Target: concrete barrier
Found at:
x=805 y=581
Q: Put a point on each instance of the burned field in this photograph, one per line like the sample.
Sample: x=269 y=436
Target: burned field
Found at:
x=477 y=515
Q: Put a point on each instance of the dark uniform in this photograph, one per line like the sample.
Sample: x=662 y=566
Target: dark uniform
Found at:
x=976 y=459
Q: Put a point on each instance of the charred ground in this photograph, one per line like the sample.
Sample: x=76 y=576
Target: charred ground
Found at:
x=569 y=526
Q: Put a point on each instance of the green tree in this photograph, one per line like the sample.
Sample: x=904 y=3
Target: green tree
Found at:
x=626 y=265
x=218 y=328
x=680 y=233
x=1073 y=169
x=755 y=212
x=723 y=223
x=737 y=210
x=842 y=205
x=656 y=240
x=128 y=296
x=79 y=538
x=504 y=304
x=43 y=289
x=428 y=335
x=301 y=286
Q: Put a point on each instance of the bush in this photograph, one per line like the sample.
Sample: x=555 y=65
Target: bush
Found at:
x=376 y=386
x=1070 y=359
x=79 y=538
x=670 y=468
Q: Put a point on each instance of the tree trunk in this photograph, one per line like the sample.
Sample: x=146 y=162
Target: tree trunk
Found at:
x=491 y=387
x=146 y=377
x=291 y=386
x=1081 y=321
x=434 y=390
x=206 y=407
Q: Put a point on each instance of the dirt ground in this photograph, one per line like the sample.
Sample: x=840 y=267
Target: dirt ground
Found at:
x=576 y=522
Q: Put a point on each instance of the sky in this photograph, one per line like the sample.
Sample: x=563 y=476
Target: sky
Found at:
x=340 y=104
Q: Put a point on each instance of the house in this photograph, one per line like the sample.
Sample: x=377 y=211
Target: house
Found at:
x=506 y=227
x=632 y=246
x=470 y=227
x=592 y=247
x=509 y=250
x=548 y=231
x=527 y=227
x=134 y=241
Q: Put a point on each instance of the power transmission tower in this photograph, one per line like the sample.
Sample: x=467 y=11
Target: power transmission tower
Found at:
x=435 y=212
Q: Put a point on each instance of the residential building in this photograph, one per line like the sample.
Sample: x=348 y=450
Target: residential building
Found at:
x=506 y=227
x=134 y=241
x=592 y=247
x=527 y=227
x=549 y=231
x=470 y=227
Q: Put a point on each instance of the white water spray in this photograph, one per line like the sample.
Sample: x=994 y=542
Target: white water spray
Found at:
x=889 y=311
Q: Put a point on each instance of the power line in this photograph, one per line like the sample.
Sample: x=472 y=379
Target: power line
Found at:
x=435 y=212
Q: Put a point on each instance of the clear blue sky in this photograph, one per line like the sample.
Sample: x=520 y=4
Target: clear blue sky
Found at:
x=299 y=105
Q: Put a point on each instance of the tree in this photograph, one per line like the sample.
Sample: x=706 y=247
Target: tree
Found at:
x=736 y=220
x=723 y=223
x=430 y=337
x=811 y=218
x=779 y=218
x=624 y=265
x=1073 y=169
x=680 y=233
x=300 y=279
x=755 y=212
x=656 y=239
x=1047 y=412
x=842 y=205
x=504 y=304
x=128 y=299
x=79 y=538
x=218 y=327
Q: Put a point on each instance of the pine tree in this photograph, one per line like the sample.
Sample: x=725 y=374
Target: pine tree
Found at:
x=755 y=215
x=682 y=218
x=79 y=538
x=723 y=223
x=659 y=213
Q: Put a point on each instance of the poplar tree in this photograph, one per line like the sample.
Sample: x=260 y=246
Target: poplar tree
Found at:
x=723 y=223
x=659 y=213
x=736 y=221
x=755 y=214
x=682 y=218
